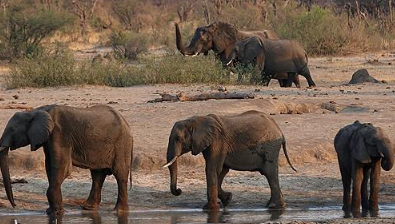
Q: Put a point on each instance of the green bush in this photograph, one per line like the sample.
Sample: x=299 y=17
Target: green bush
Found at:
x=58 y=68
x=128 y=44
x=22 y=29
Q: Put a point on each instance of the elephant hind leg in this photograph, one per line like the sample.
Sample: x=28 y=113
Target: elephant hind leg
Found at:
x=122 y=200
x=225 y=197
x=291 y=77
x=276 y=197
x=306 y=73
x=346 y=180
x=93 y=201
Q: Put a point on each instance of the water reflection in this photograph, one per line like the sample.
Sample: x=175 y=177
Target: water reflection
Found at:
x=93 y=217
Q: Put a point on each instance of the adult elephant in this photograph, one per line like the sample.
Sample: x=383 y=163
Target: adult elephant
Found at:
x=219 y=37
x=96 y=138
x=361 y=148
x=250 y=141
x=273 y=57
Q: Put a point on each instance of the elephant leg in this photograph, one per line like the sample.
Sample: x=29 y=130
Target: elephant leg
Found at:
x=93 y=201
x=297 y=81
x=122 y=181
x=346 y=180
x=225 y=197
x=291 y=76
x=374 y=186
x=282 y=82
x=364 y=189
x=58 y=168
x=357 y=175
x=214 y=165
x=307 y=75
x=276 y=197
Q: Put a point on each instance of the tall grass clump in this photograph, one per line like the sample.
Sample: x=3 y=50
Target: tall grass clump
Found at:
x=58 y=68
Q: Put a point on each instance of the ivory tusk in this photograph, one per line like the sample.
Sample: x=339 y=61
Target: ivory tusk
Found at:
x=195 y=55
x=230 y=62
x=171 y=162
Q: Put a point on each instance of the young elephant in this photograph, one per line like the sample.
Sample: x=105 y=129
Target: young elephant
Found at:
x=273 y=57
x=361 y=148
x=96 y=138
x=250 y=141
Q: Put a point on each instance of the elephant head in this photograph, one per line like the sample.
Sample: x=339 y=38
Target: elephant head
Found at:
x=216 y=36
x=369 y=143
x=246 y=51
x=22 y=129
x=192 y=135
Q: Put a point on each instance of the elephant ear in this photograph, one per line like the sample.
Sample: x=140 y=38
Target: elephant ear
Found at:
x=41 y=127
x=253 y=48
x=204 y=133
x=358 y=148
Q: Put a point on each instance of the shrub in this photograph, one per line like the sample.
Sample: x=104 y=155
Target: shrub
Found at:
x=58 y=68
x=23 y=28
x=127 y=44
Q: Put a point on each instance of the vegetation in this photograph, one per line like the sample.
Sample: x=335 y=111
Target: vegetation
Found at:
x=58 y=68
x=27 y=28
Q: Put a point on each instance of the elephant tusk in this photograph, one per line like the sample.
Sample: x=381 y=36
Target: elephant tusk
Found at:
x=2 y=148
x=230 y=62
x=171 y=162
x=195 y=55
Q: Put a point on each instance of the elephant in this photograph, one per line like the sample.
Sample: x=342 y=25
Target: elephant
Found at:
x=219 y=37
x=273 y=57
x=361 y=148
x=250 y=141
x=96 y=138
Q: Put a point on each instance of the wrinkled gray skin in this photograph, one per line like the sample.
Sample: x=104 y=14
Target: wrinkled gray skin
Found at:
x=250 y=141
x=361 y=148
x=273 y=57
x=96 y=138
x=219 y=37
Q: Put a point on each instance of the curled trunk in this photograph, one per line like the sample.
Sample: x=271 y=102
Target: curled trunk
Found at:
x=173 y=179
x=5 y=171
x=387 y=150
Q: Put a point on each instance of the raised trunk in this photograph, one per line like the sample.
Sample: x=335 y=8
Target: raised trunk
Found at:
x=184 y=50
x=5 y=171
x=180 y=46
x=386 y=148
x=173 y=152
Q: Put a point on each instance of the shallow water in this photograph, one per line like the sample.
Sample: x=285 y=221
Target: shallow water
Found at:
x=173 y=216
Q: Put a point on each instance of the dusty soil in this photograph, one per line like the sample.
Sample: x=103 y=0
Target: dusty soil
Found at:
x=309 y=118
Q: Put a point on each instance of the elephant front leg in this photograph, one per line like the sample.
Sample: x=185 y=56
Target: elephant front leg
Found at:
x=54 y=193
x=225 y=197
x=93 y=201
x=374 y=187
x=357 y=175
x=214 y=165
x=291 y=76
x=364 y=190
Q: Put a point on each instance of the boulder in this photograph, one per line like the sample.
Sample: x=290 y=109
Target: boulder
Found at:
x=361 y=76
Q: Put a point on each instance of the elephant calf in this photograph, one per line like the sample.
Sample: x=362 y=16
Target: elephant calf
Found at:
x=361 y=148
x=250 y=141
x=96 y=138
x=273 y=57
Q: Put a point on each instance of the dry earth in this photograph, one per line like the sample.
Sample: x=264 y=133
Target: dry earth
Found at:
x=309 y=118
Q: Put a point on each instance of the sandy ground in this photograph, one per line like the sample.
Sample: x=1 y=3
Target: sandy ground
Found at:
x=308 y=127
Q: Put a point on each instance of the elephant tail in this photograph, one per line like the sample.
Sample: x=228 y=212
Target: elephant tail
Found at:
x=130 y=170
x=286 y=155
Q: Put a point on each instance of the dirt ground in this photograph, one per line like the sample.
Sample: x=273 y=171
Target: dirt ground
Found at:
x=309 y=118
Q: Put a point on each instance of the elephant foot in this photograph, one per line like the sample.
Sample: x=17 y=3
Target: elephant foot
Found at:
x=275 y=205
x=211 y=207
x=226 y=199
x=121 y=207
x=55 y=211
x=89 y=206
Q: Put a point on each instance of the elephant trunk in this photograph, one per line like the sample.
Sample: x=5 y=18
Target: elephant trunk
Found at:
x=5 y=171
x=187 y=51
x=172 y=157
x=386 y=148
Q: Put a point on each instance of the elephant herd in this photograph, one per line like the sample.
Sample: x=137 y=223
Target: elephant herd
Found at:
x=271 y=57
x=99 y=138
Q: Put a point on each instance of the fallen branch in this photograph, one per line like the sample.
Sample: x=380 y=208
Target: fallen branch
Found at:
x=16 y=107
x=201 y=97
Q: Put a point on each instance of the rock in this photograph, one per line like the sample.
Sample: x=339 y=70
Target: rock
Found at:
x=15 y=97
x=362 y=76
